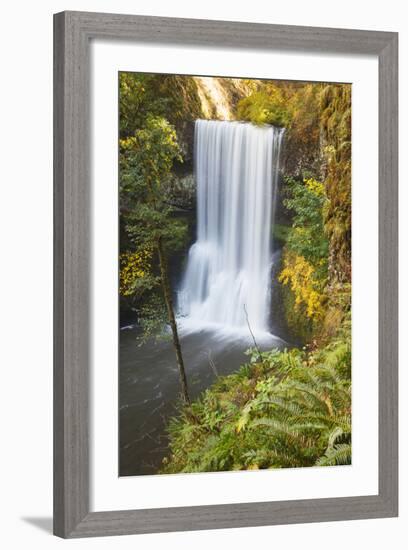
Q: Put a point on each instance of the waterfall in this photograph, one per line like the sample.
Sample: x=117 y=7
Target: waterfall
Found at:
x=227 y=283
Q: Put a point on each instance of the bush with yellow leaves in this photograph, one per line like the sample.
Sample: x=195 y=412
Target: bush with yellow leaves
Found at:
x=299 y=274
x=305 y=257
x=133 y=266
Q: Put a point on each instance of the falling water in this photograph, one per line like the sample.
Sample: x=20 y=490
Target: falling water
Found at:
x=227 y=279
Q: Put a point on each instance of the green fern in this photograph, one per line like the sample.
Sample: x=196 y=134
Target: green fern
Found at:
x=286 y=409
x=336 y=456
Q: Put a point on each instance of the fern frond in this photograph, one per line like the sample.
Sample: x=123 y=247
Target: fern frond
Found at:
x=336 y=456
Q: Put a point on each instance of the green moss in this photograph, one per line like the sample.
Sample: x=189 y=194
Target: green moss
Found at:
x=335 y=129
x=264 y=107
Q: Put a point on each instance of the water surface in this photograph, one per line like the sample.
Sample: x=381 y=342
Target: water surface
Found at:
x=149 y=387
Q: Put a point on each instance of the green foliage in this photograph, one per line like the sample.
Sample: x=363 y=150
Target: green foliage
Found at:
x=264 y=107
x=146 y=161
x=306 y=200
x=282 y=409
x=168 y=96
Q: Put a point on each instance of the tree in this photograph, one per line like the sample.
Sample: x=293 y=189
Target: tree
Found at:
x=146 y=160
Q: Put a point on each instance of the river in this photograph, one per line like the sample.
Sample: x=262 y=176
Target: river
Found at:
x=149 y=388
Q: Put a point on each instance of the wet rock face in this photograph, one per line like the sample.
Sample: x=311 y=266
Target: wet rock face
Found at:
x=185 y=134
x=297 y=156
x=213 y=99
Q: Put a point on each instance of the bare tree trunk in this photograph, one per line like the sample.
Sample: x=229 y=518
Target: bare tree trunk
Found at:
x=172 y=319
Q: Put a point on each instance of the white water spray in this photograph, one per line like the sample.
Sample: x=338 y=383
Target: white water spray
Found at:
x=227 y=282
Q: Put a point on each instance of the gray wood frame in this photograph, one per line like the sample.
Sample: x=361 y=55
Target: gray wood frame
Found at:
x=72 y=33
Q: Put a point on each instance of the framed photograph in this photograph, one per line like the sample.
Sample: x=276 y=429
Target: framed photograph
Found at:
x=225 y=274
